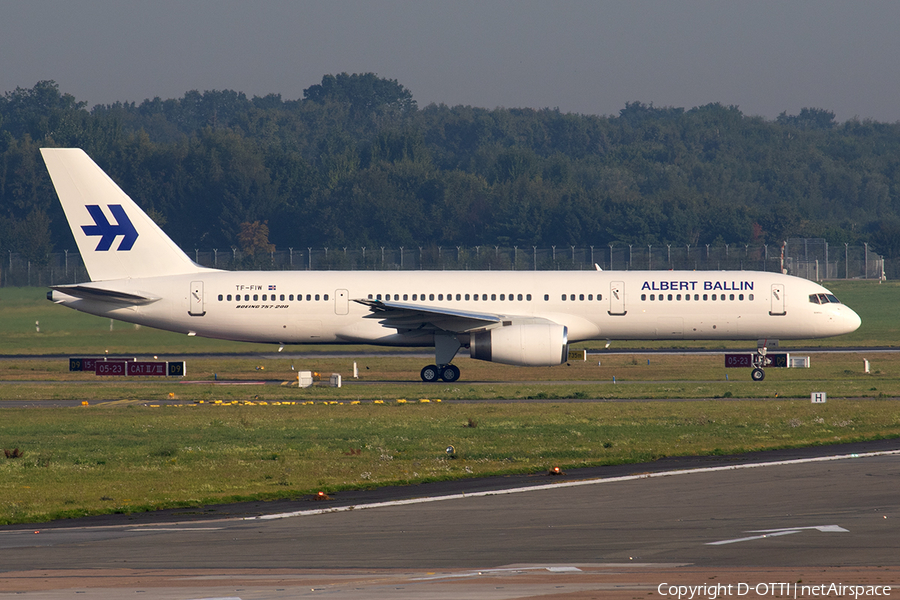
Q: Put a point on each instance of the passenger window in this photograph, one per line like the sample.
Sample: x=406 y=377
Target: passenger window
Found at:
x=643 y=296
x=502 y=296
x=750 y=297
x=264 y=298
x=520 y=297
x=546 y=297
x=291 y=297
x=527 y=297
x=431 y=296
x=467 y=296
x=405 y=297
x=591 y=296
x=731 y=296
x=415 y=297
x=255 y=297
x=652 y=297
x=221 y=297
x=493 y=296
x=325 y=297
x=440 y=296
x=474 y=296
x=377 y=297
x=317 y=297
x=740 y=296
x=581 y=296
x=564 y=297
x=697 y=297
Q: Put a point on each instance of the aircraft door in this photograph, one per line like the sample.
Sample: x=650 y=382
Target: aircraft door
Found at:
x=617 y=298
x=341 y=302
x=777 y=308
x=195 y=300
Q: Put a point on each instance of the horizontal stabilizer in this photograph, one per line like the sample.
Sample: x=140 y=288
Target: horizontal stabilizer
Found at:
x=87 y=292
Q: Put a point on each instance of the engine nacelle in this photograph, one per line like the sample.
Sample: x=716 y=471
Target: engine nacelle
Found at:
x=527 y=344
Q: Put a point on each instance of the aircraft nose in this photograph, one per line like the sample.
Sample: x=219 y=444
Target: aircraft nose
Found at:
x=847 y=320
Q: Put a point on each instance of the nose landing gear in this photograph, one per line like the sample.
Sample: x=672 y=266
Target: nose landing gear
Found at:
x=760 y=361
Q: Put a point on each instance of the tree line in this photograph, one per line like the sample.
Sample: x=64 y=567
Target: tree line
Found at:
x=356 y=162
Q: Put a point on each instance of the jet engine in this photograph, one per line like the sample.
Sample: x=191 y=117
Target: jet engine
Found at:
x=527 y=344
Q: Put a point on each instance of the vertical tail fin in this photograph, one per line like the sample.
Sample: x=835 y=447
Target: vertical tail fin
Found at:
x=116 y=239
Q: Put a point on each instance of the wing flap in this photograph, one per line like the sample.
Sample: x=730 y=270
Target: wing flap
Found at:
x=404 y=316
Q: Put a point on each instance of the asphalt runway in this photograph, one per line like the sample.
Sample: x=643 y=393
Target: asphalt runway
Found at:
x=824 y=516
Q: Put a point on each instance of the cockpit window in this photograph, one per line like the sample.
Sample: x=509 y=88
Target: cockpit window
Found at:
x=824 y=299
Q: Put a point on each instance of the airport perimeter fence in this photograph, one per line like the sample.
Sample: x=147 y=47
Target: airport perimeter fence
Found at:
x=811 y=259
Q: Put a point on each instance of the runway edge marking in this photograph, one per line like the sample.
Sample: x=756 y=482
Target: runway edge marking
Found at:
x=566 y=484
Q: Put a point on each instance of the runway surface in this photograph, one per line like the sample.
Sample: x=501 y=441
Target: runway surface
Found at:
x=824 y=516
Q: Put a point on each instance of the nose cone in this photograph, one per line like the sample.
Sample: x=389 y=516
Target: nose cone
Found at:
x=844 y=320
x=851 y=320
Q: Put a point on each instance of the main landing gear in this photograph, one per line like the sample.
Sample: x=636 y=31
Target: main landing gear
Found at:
x=445 y=348
x=446 y=373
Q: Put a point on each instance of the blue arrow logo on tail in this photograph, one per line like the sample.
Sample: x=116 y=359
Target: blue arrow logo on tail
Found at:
x=107 y=231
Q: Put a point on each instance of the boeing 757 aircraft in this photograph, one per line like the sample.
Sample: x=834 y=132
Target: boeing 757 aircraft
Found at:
x=138 y=275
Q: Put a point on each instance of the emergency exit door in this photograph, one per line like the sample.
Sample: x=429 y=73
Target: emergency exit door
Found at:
x=617 y=298
x=196 y=307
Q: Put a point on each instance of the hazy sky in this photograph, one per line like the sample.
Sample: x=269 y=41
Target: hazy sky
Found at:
x=765 y=56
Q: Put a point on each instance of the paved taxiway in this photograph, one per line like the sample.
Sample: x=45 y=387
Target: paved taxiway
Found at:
x=623 y=533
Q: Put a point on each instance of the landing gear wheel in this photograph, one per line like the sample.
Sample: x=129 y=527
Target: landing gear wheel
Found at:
x=430 y=373
x=757 y=374
x=450 y=373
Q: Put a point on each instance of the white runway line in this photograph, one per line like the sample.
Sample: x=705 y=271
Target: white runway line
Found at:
x=566 y=484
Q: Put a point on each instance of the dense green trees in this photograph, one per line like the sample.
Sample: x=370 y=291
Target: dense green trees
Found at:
x=356 y=162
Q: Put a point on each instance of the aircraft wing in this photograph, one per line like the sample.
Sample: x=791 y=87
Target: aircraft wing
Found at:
x=404 y=316
x=88 y=292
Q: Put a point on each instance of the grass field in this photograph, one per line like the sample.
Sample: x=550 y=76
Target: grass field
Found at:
x=132 y=449
x=93 y=460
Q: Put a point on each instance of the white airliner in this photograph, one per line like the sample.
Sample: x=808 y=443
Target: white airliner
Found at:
x=140 y=276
